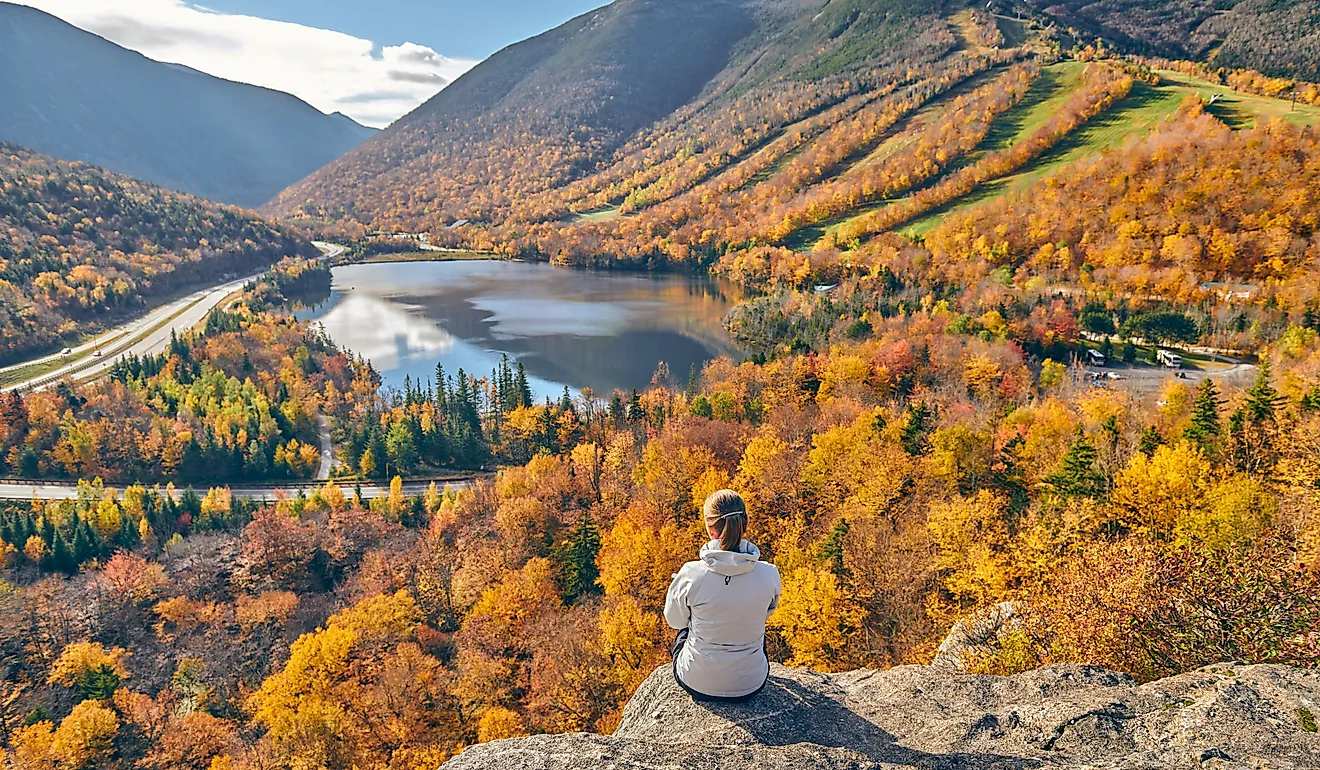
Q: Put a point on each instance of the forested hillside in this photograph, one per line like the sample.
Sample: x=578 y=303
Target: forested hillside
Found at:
x=807 y=113
x=1279 y=37
x=80 y=246
x=940 y=213
x=68 y=93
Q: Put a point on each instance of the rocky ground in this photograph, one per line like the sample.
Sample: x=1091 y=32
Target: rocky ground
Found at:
x=1225 y=716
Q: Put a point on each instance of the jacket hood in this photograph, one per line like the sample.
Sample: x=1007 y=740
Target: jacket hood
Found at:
x=730 y=562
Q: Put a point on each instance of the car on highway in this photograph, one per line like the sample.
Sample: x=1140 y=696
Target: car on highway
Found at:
x=66 y=351
x=97 y=354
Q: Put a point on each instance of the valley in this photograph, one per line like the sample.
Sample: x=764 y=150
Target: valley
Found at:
x=1002 y=321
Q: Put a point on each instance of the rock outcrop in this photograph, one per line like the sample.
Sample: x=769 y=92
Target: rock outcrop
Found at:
x=1224 y=716
x=976 y=635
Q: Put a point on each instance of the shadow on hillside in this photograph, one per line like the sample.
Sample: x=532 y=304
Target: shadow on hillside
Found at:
x=787 y=714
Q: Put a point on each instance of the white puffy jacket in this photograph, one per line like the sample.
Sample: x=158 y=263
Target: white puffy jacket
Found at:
x=723 y=600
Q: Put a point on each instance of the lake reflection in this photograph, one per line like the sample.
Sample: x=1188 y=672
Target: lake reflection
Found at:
x=577 y=328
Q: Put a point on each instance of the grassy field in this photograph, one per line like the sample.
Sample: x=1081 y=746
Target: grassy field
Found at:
x=1134 y=116
x=1241 y=110
x=607 y=214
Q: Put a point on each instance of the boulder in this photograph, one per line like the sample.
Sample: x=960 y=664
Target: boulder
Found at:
x=979 y=634
x=1223 y=716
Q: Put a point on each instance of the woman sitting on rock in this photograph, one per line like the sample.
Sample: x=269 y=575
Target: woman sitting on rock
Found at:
x=719 y=606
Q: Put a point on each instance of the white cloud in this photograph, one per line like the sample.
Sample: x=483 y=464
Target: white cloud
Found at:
x=332 y=71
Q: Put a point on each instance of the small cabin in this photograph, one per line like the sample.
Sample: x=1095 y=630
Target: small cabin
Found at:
x=1095 y=358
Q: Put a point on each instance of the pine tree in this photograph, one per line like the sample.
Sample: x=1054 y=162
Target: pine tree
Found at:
x=915 y=436
x=1263 y=401
x=635 y=411
x=523 y=386
x=1077 y=476
x=1128 y=352
x=60 y=558
x=579 y=560
x=1205 y=429
x=831 y=548
x=1150 y=441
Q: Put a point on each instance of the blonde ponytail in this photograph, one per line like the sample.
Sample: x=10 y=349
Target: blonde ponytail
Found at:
x=726 y=515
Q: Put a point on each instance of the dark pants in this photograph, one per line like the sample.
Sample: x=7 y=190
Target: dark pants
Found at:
x=701 y=697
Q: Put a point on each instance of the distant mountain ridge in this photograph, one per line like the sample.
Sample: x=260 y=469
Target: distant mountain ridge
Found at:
x=73 y=95
x=629 y=104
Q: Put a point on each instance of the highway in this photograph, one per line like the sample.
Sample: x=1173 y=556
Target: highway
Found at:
x=144 y=336
x=12 y=489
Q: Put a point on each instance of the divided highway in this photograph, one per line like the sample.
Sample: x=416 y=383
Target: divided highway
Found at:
x=150 y=335
x=144 y=336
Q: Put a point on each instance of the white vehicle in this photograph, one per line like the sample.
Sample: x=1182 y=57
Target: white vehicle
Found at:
x=97 y=354
x=1169 y=359
x=1114 y=375
x=66 y=351
x=1095 y=358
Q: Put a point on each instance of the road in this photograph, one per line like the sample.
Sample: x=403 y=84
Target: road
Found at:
x=327 y=448
x=330 y=250
x=144 y=336
x=26 y=490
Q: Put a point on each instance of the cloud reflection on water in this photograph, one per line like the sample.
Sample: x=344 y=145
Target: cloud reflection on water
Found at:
x=576 y=328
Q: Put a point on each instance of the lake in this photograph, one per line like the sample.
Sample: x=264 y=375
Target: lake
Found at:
x=604 y=330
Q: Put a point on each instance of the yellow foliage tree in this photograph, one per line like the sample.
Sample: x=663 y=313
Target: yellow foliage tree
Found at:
x=498 y=723
x=84 y=739
x=80 y=659
x=818 y=620
x=1152 y=494
x=972 y=538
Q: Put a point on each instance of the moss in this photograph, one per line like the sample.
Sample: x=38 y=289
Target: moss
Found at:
x=1306 y=719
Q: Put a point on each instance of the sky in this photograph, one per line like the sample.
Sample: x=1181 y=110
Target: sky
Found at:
x=373 y=60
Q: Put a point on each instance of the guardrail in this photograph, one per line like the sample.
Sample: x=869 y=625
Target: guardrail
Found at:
x=294 y=485
x=48 y=489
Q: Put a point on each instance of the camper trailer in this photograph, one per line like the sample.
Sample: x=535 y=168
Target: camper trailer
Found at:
x=1169 y=359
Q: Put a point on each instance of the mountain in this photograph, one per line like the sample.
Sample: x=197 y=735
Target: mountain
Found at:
x=577 y=139
x=545 y=112
x=914 y=716
x=1277 y=37
x=80 y=245
x=73 y=95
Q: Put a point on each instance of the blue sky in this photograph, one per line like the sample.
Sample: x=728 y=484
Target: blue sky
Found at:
x=464 y=29
x=373 y=60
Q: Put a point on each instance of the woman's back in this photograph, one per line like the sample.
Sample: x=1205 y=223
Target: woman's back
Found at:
x=722 y=602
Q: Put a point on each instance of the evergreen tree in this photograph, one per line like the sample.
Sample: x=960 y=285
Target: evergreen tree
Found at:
x=1129 y=352
x=1006 y=475
x=1077 y=476
x=579 y=560
x=1263 y=401
x=1107 y=350
x=635 y=411
x=60 y=558
x=524 y=388
x=1204 y=429
x=915 y=436
x=616 y=409
x=1150 y=441
x=831 y=548
x=98 y=683
x=1253 y=427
